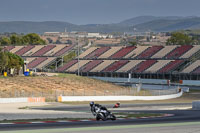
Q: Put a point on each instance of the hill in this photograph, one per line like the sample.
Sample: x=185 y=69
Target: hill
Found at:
x=144 y=19
x=34 y=27
x=169 y=25
x=142 y=23
x=51 y=87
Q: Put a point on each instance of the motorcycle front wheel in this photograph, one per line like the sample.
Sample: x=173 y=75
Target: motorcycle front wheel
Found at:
x=112 y=117
x=101 y=116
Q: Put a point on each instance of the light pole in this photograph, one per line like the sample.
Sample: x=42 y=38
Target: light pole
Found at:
x=78 y=54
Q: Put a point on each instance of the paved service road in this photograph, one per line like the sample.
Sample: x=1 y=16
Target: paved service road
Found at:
x=184 y=127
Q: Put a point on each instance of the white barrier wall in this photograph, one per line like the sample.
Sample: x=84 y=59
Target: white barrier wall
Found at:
x=116 y=98
x=196 y=105
x=22 y=100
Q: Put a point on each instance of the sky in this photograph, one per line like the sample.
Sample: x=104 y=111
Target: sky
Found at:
x=93 y=11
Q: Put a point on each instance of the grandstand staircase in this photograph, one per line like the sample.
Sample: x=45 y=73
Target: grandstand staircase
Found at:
x=50 y=63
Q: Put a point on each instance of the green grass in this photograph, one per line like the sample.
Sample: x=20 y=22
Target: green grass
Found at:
x=135 y=115
x=26 y=107
x=35 y=120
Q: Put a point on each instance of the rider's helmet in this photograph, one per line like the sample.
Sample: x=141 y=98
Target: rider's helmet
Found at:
x=91 y=104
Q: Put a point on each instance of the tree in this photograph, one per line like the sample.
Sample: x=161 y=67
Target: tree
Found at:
x=3 y=61
x=133 y=43
x=5 y=41
x=69 y=42
x=58 y=41
x=33 y=39
x=49 y=40
x=29 y=39
x=15 y=40
x=178 y=38
x=10 y=61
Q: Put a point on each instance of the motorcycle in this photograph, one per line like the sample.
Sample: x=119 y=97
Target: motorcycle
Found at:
x=104 y=114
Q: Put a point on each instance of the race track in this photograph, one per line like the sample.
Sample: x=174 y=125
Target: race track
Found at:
x=180 y=118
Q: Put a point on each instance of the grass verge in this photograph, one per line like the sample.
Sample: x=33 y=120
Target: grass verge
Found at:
x=135 y=115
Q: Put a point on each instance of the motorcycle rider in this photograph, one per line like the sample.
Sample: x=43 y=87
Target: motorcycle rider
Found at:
x=96 y=108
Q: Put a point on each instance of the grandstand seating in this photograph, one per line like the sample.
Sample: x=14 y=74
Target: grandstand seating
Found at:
x=143 y=66
x=36 y=62
x=96 y=53
x=8 y=48
x=64 y=50
x=176 y=53
x=55 y=50
x=138 y=51
x=43 y=50
x=170 y=66
x=129 y=65
x=149 y=52
x=122 y=52
x=23 y=50
x=110 y=52
x=163 y=52
x=46 y=62
x=88 y=51
x=33 y=50
x=120 y=59
x=16 y=49
x=91 y=65
x=115 y=66
x=66 y=66
x=30 y=59
x=191 y=67
x=102 y=66
x=157 y=66
x=191 y=52
x=74 y=67
x=197 y=70
x=39 y=50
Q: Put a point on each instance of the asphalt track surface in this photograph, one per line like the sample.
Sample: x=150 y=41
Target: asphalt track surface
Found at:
x=83 y=108
x=180 y=116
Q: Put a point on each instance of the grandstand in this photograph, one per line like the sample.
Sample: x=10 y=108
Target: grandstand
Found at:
x=39 y=56
x=140 y=61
